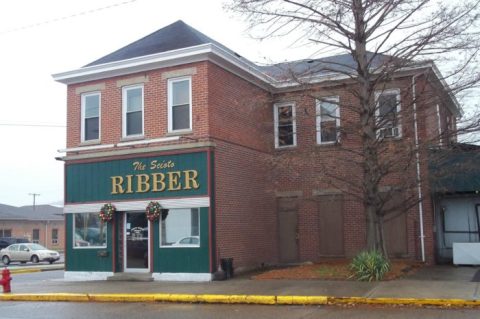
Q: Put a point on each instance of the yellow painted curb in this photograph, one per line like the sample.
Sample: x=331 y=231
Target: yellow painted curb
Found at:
x=121 y=297
x=24 y=271
x=44 y=297
x=405 y=301
x=236 y=299
x=302 y=300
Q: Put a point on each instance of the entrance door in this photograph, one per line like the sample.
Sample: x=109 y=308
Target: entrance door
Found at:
x=287 y=229
x=136 y=242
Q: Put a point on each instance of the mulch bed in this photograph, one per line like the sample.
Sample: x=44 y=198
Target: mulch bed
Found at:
x=334 y=270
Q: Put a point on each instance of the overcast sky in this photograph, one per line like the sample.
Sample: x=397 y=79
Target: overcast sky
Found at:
x=40 y=38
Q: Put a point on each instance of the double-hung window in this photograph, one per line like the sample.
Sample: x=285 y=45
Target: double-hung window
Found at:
x=388 y=113
x=285 y=125
x=180 y=104
x=132 y=97
x=328 y=120
x=90 y=117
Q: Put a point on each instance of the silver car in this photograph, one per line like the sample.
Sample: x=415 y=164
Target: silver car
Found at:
x=28 y=252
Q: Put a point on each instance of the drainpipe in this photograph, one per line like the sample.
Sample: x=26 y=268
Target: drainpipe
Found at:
x=417 y=159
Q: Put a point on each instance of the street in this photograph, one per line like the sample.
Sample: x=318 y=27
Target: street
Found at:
x=53 y=310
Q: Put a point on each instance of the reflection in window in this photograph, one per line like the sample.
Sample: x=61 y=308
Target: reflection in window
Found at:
x=89 y=231
x=180 y=228
x=91 y=116
x=133 y=110
x=179 y=104
x=328 y=120
x=388 y=108
x=285 y=129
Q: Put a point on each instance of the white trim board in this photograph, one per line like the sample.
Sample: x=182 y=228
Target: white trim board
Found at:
x=192 y=202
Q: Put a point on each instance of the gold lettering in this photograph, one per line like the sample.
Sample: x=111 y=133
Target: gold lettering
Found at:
x=117 y=185
x=153 y=164
x=173 y=183
x=129 y=184
x=138 y=166
x=191 y=179
x=142 y=183
x=158 y=180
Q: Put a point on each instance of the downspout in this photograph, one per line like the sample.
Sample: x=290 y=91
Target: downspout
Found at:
x=417 y=159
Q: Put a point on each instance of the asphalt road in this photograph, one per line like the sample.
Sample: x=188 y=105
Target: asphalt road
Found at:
x=35 y=277
x=54 y=310
x=49 y=310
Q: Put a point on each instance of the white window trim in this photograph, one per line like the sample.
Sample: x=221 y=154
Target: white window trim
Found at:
x=124 y=110
x=294 y=123
x=170 y=103
x=82 y=124
x=399 y=108
x=182 y=246
x=87 y=247
x=319 y=102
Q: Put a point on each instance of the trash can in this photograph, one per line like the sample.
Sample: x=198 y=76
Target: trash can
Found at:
x=227 y=267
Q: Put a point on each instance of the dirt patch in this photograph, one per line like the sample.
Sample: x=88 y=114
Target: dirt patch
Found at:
x=334 y=270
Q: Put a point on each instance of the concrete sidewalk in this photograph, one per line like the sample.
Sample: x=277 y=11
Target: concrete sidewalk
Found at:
x=447 y=288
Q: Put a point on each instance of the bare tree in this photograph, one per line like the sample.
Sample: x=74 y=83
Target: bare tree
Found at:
x=387 y=41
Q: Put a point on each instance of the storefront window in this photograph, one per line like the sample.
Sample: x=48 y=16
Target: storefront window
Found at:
x=89 y=232
x=180 y=228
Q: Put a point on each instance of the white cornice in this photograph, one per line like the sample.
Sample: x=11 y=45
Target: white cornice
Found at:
x=223 y=58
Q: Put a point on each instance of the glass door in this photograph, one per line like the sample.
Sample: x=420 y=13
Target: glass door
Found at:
x=136 y=242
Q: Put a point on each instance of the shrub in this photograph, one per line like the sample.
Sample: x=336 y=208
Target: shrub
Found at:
x=369 y=266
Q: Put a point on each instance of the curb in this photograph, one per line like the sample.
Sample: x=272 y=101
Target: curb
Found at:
x=32 y=270
x=238 y=299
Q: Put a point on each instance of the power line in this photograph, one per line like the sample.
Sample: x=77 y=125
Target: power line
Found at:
x=55 y=20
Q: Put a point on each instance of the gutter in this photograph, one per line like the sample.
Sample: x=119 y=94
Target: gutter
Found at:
x=417 y=160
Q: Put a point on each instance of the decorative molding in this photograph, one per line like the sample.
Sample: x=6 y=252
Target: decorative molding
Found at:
x=131 y=151
x=289 y=194
x=85 y=148
x=90 y=88
x=179 y=73
x=328 y=191
x=131 y=81
x=170 y=203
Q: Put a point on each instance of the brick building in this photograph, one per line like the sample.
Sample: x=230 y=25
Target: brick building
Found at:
x=43 y=225
x=234 y=153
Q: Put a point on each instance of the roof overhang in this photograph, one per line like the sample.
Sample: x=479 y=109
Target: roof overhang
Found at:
x=231 y=62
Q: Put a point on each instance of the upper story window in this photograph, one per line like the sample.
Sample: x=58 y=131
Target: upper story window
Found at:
x=388 y=113
x=328 y=120
x=90 y=117
x=179 y=104
x=132 y=99
x=285 y=126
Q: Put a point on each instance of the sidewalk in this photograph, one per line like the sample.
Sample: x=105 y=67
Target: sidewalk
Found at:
x=431 y=286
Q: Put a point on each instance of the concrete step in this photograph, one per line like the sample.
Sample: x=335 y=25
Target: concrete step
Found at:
x=129 y=276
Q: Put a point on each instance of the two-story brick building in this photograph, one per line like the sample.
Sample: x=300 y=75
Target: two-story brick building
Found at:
x=235 y=154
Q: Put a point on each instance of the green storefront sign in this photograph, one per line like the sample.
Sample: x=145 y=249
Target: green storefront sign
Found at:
x=179 y=175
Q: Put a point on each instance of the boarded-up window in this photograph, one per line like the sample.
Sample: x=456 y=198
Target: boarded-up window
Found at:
x=330 y=215
x=395 y=227
x=287 y=229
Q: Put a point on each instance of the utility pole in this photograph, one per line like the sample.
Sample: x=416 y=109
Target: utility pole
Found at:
x=34 y=196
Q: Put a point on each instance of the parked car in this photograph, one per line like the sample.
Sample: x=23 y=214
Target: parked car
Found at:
x=7 y=241
x=28 y=252
x=187 y=241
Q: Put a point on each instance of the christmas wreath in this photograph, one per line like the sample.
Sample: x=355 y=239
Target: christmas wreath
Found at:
x=153 y=211
x=106 y=212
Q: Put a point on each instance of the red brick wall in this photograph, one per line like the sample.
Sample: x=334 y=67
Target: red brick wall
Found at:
x=24 y=229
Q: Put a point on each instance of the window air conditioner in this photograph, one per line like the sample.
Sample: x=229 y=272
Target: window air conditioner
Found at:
x=388 y=132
